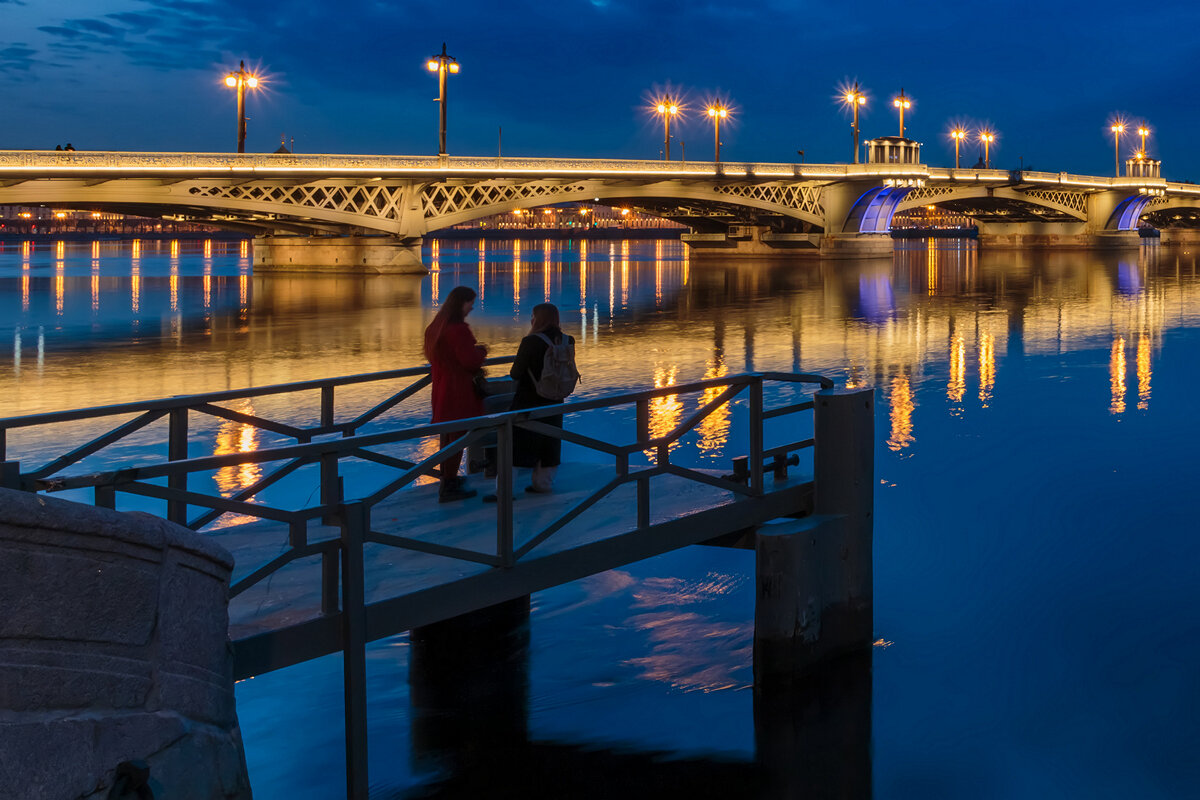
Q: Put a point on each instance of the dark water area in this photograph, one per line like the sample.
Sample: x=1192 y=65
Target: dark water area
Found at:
x=1036 y=543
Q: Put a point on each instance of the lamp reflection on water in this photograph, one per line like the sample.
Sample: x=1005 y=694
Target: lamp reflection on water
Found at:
x=237 y=437
x=1116 y=376
x=987 y=367
x=956 y=387
x=903 y=405
x=665 y=411
x=60 y=288
x=714 y=429
x=1143 y=372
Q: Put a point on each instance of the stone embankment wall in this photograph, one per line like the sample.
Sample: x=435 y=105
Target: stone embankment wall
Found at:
x=113 y=647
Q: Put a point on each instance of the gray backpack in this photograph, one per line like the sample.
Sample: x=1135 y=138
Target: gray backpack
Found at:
x=559 y=375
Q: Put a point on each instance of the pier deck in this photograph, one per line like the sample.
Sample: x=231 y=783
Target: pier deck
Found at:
x=279 y=621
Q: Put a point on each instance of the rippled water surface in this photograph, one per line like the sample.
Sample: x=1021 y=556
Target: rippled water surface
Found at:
x=1035 y=541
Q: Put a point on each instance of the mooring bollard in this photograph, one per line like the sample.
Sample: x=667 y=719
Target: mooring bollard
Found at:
x=814 y=575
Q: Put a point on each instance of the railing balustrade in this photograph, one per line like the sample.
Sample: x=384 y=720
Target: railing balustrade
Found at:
x=147 y=479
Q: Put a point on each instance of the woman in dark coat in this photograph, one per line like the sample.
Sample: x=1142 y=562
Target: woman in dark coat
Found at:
x=454 y=358
x=533 y=450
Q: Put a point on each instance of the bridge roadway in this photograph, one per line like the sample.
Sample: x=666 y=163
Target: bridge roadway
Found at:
x=370 y=213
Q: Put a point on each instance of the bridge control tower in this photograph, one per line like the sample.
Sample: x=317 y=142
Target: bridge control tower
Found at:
x=893 y=150
x=1141 y=166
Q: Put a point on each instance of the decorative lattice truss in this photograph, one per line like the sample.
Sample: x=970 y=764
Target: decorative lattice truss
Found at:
x=927 y=195
x=362 y=200
x=1172 y=212
x=1075 y=201
x=805 y=198
x=440 y=199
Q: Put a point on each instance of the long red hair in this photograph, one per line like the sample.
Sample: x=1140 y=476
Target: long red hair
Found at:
x=450 y=312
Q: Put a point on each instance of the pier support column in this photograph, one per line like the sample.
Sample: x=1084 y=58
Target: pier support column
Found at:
x=1065 y=235
x=856 y=245
x=468 y=680
x=814 y=575
x=380 y=255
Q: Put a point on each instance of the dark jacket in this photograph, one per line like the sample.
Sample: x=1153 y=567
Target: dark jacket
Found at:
x=527 y=369
x=531 y=449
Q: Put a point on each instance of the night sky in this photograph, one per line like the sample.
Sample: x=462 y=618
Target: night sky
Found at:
x=574 y=77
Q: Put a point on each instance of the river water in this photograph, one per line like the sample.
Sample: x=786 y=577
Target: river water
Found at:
x=1036 y=544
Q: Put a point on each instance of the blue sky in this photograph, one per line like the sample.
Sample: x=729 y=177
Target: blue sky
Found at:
x=572 y=78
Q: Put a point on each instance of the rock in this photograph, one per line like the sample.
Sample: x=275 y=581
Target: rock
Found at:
x=113 y=647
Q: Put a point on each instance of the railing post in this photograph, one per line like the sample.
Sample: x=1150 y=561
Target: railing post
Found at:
x=756 y=435
x=331 y=485
x=643 y=421
x=356 y=521
x=10 y=474
x=326 y=406
x=504 y=493
x=106 y=496
x=643 y=484
x=177 y=450
x=329 y=580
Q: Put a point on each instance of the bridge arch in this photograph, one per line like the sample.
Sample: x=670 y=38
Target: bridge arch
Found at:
x=1002 y=204
x=448 y=204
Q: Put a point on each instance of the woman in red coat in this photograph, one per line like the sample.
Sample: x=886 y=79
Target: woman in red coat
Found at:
x=454 y=358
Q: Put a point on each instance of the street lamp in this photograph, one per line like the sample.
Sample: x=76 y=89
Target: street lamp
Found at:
x=1118 y=130
x=987 y=137
x=855 y=98
x=1143 y=131
x=958 y=134
x=241 y=80
x=667 y=108
x=717 y=113
x=442 y=64
x=902 y=103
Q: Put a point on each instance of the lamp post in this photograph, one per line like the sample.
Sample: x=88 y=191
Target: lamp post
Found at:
x=902 y=103
x=717 y=113
x=667 y=108
x=1118 y=130
x=1143 y=131
x=241 y=80
x=855 y=98
x=958 y=134
x=442 y=64
x=987 y=137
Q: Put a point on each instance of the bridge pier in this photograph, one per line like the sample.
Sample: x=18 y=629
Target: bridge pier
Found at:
x=1179 y=237
x=856 y=245
x=377 y=255
x=1036 y=236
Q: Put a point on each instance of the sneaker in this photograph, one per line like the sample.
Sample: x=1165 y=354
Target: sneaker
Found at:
x=532 y=490
x=456 y=494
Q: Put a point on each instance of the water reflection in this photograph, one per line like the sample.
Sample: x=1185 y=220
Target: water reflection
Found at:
x=943 y=333
x=1116 y=376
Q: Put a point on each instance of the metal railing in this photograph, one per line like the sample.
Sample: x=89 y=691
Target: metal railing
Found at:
x=343 y=593
x=178 y=410
x=167 y=480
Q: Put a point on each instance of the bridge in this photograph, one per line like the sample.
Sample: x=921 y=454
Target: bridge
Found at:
x=371 y=213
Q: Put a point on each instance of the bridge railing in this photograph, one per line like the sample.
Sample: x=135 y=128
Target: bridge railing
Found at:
x=33 y=162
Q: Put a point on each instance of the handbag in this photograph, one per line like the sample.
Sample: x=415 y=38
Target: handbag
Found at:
x=480 y=382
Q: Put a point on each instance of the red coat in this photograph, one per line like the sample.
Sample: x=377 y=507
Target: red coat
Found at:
x=456 y=359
